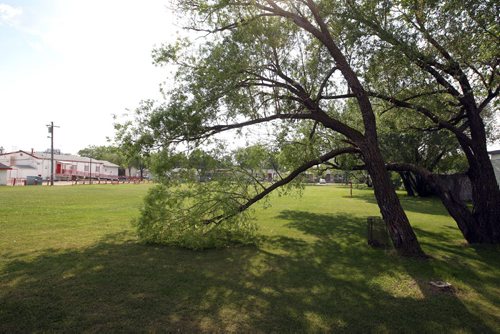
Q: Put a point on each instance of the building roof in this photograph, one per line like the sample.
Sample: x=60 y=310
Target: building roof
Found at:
x=2 y=166
x=19 y=151
x=65 y=158
x=69 y=158
x=494 y=152
x=108 y=164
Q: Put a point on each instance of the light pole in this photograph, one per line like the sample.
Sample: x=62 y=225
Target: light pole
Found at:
x=51 y=127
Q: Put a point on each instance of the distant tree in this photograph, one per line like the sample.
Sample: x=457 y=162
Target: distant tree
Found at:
x=203 y=162
x=162 y=163
x=109 y=153
x=256 y=159
x=134 y=147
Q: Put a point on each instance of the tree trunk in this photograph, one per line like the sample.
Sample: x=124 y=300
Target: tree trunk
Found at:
x=405 y=177
x=422 y=187
x=485 y=191
x=483 y=223
x=476 y=228
x=486 y=199
x=402 y=235
x=456 y=208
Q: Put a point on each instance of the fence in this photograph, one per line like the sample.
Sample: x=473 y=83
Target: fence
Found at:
x=18 y=181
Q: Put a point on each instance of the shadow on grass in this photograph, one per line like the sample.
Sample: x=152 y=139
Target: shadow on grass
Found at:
x=331 y=284
x=424 y=205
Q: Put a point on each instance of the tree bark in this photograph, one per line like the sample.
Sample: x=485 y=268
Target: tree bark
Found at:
x=456 y=208
x=486 y=200
x=422 y=188
x=406 y=178
x=485 y=190
x=402 y=235
x=473 y=229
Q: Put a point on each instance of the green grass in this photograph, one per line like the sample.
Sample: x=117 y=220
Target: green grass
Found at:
x=70 y=262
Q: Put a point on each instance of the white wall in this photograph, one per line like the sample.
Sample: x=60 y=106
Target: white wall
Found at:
x=496 y=167
x=109 y=170
x=21 y=158
x=3 y=177
x=42 y=166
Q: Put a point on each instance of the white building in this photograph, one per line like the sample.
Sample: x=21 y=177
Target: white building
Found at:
x=3 y=174
x=66 y=166
x=495 y=161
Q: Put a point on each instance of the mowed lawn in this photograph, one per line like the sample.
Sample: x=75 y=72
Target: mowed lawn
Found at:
x=70 y=262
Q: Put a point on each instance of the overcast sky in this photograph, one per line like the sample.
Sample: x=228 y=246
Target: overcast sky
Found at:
x=76 y=63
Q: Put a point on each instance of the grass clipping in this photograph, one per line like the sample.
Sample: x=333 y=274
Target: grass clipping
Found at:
x=187 y=216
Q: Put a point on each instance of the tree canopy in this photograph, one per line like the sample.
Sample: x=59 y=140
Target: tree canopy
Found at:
x=109 y=153
x=324 y=73
x=438 y=61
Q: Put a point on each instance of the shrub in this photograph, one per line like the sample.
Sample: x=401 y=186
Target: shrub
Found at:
x=194 y=216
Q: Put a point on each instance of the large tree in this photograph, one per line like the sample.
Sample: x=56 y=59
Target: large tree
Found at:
x=271 y=61
x=439 y=60
x=134 y=149
x=436 y=151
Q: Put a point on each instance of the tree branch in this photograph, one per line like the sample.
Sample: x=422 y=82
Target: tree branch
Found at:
x=424 y=111
x=229 y=26
x=289 y=178
x=324 y=83
x=224 y=127
x=337 y=97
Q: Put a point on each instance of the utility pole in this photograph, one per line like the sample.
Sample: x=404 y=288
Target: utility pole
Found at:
x=51 y=127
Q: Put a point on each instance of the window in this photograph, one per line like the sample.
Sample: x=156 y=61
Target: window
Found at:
x=86 y=168
x=97 y=169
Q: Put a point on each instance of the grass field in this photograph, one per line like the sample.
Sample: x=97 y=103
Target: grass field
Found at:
x=70 y=262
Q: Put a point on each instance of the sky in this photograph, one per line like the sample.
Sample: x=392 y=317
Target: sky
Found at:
x=76 y=63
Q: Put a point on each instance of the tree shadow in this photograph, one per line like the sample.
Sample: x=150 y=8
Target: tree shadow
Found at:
x=477 y=265
x=344 y=235
x=422 y=205
x=334 y=283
